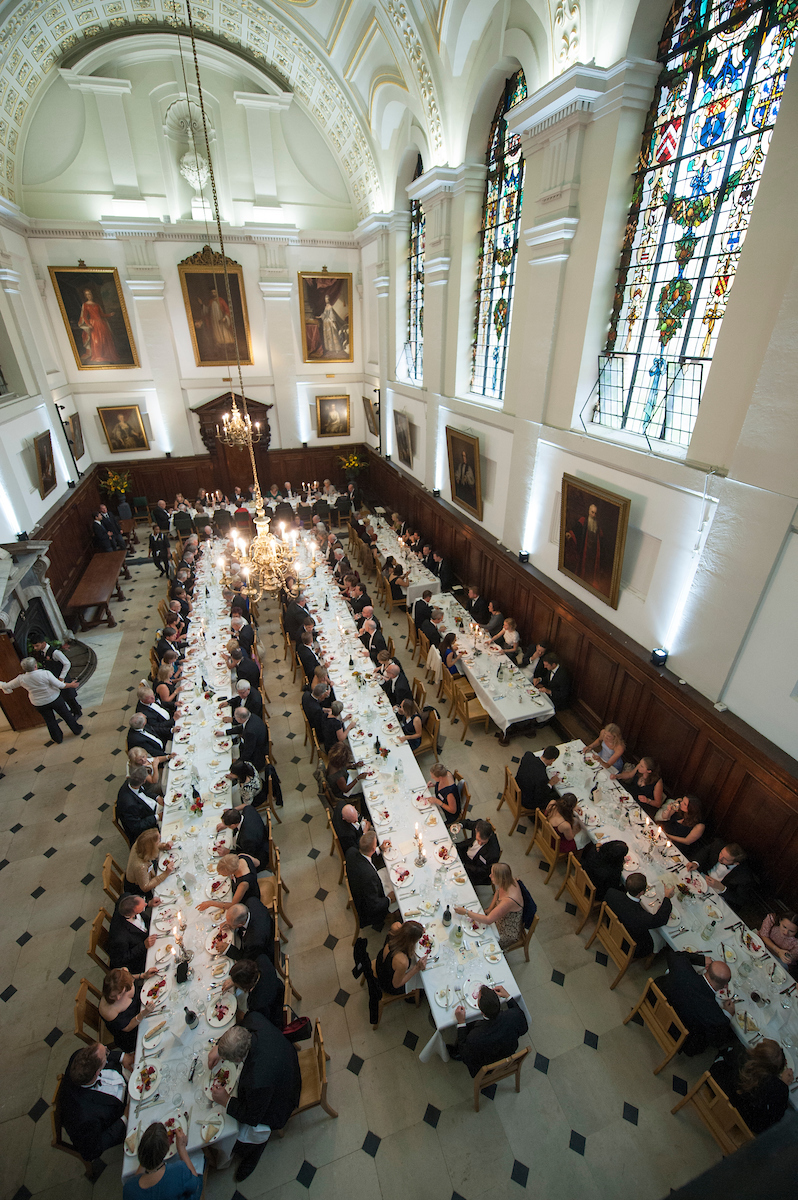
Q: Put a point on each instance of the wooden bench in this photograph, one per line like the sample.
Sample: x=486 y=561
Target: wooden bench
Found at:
x=97 y=583
x=128 y=527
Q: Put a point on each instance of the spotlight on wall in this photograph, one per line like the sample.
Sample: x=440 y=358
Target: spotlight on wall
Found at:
x=523 y=556
x=71 y=483
x=659 y=657
x=387 y=458
x=436 y=493
x=22 y=536
x=304 y=445
x=168 y=453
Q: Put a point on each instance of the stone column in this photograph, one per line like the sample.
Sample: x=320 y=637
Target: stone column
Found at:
x=279 y=303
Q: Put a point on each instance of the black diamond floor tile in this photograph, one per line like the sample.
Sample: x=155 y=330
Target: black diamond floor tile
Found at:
x=541 y=1063
x=15 y=828
x=591 y=1039
x=296 y=758
x=558 y=978
x=24 y=938
x=313 y=853
x=371 y=1144
x=79 y=758
x=519 y=1173
x=70 y=787
x=571 y=910
x=66 y=975
x=95 y=841
x=78 y=923
x=680 y=1085
x=522 y=830
x=468 y=742
x=321 y=894
x=86 y=880
x=61 y=817
x=307 y=818
x=330 y=941
x=432 y=1116
x=341 y=997
x=290 y=736
x=484 y=768
x=22 y=1193
x=53 y=1036
x=490 y=1091
x=8 y=993
x=110 y=778
x=301 y=787
x=515 y=760
x=577 y=1142
x=630 y=1113
x=637 y=1019
x=39 y=1109
x=355 y=1064
x=103 y=808
x=306 y=1174
x=3 y=863
x=39 y=892
x=29 y=796
x=39 y=768
x=410 y=1040
x=601 y=958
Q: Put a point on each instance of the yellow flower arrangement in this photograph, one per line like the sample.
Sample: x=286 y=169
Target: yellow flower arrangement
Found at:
x=115 y=483
x=352 y=464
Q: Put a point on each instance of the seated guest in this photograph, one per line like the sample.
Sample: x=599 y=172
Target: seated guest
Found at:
x=508 y=638
x=368 y=894
x=263 y=987
x=496 y=1037
x=167 y=641
x=159 y=719
x=479 y=852
x=309 y=658
x=315 y=705
x=349 y=826
x=334 y=729
x=398 y=581
x=441 y=568
x=425 y=556
x=561 y=813
x=506 y=908
x=422 y=610
x=139 y=734
x=167 y=692
x=644 y=783
x=102 y=538
x=243 y=667
x=477 y=606
x=158 y=550
x=532 y=660
x=249 y=783
x=396 y=965
x=242 y=871
x=359 y=598
x=137 y=757
x=250 y=835
x=247 y=697
x=445 y=794
x=268 y=1089
x=160 y=515
x=273 y=493
x=135 y=810
x=295 y=617
x=252 y=928
x=120 y=1006
x=780 y=935
x=245 y=634
x=372 y=639
x=725 y=869
x=450 y=654
x=368 y=615
x=682 y=820
x=609 y=747
x=695 y=999
x=397 y=524
x=603 y=866
x=396 y=686
x=756 y=1080
x=343 y=781
x=557 y=685
x=495 y=619
x=141 y=876
x=128 y=939
x=412 y=725
x=434 y=628
x=341 y=565
x=176 y=1179
x=636 y=920
x=94 y=1099
x=532 y=777
x=253 y=736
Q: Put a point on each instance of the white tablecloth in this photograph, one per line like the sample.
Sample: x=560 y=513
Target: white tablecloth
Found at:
x=421 y=580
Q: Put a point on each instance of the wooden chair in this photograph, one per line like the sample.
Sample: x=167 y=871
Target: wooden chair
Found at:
x=309 y=736
x=387 y=998
x=390 y=647
x=335 y=845
x=98 y=941
x=286 y=991
x=351 y=904
x=155 y=663
x=615 y=940
x=58 y=1142
x=87 y=1016
x=465 y=796
x=288 y=646
x=495 y=1071
x=525 y=938
x=469 y=709
x=163 y=611
x=422 y=645
x=450 y=685
x=119 y=828
x=718 y=1114
x=281 y=961
x=380 y=586
x=271 y=890
x=264 y=700
x=429 y=736
x=547 y=840
x=412 y=637
x=392 y=602
x=321 y=753
x=267 y=808
x=113 y=879
x=313 y=1069
x=663 y=1021
x=512 y=794
x=419 y=693
x=581 y=889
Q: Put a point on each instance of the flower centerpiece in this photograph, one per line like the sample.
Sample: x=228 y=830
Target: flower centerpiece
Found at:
x=352 y=464
x=116 y=484
x=197 y=805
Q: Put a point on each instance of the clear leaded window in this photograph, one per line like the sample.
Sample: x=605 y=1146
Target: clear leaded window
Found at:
x=704 y=148
x=415 y=298
x=498 y=241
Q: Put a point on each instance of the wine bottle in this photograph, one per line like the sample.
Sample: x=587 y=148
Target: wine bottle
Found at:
x=447 y=917
x=192 y=1020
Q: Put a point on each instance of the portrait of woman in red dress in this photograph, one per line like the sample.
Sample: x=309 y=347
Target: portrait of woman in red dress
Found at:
x=98 y=340
x=95 y=317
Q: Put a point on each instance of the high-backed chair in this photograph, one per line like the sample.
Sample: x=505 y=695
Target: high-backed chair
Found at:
x=512 y=795
x=525 y=938
x=89 y=1025
x=429 y=735
x=547 y=840
x=718 y=1114
x=495 y=1071
x=119 y=827
x=58 y=1142
x=113 y=879
x=313 y=1070
x=468 y=709
x=464 y=794
x=581 y=889
x=388 y=998
x=612 y=934
x=419 y=693
x=410 y=640
x=98 y=941
x=662 y=1020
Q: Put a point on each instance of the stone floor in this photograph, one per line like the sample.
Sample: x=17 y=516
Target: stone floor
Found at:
x=591 y=1119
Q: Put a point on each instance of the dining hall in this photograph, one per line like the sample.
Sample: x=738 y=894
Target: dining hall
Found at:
x=398 y=752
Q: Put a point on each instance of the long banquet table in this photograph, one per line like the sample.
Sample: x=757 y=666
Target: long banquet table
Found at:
x=608 y=812
x=461 y=959
x=421 y=579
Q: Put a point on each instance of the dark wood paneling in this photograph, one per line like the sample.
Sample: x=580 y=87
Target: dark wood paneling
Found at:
x=667 y=734
x=69 y=532
x=597 y=672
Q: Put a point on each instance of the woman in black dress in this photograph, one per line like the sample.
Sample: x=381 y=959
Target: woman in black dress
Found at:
x=644 y=783
x=342 y=781
x=604 y=866
x=392 y=966
x=412 y=724
x=682 y=820
x=242 y=871
x=757 y=1081
x=446 y=795
x=120 y=1007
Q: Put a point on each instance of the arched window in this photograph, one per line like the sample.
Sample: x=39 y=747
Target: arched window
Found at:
x=498 y=243
x=415 y=296
x=704 y=149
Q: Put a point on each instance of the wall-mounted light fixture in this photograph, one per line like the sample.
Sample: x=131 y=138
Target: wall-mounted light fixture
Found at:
x=659 y=656
x=436 y=493
x=523 y=556
x=168 y=453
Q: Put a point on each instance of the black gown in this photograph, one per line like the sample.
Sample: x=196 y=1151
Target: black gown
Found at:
x=126 y=1041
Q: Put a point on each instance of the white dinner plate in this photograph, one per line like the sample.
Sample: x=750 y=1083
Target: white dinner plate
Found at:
x=221 y=1012
x=220 y=949
x=155 y=988
x=472 y=929
x=176 y=1121
x=401 y=876
x=137 y=1080
x=217 y=889
x=226 y=1073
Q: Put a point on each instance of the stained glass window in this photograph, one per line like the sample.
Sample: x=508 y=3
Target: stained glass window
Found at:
x=498 y=241
x=415 y=298
x=704 y=148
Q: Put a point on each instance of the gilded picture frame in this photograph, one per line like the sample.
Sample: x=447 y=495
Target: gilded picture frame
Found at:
x=404 y=442
x=325 y=306
x=45 y=463
x=593 y=525
x=124 y=429
x=76 y=436
x=332 y=416
x=372 y=419
x=95 y=317
x=465 y=476
x=215 y=327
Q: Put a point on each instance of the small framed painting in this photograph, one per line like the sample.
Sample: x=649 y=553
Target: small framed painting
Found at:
x=217 y=322
x=45 y=463
x=465 y=478
x=332 y=416
x=404 y=443
x=593 y=528
x=93 y=309
x=371 y=417
x=124 y=428
x=75 y=432
x=325 y=302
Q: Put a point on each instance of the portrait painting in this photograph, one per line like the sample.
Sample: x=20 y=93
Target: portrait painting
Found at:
x=593 y=528
x=332 y=416
x=464 y=474
x=45 y=463
x=371 y=417
x=325 y=303
x=404 y=444
x=95 y=316
x=218 y=322
x=75 y=433
x=124 y=428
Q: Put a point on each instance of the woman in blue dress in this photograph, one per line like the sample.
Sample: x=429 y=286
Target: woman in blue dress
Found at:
x=158 y=1179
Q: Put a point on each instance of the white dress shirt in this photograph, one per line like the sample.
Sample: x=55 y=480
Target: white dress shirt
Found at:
x=110 y=1082
x=41 y=686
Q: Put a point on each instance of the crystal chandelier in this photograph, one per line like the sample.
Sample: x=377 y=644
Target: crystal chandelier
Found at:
x=237 y=429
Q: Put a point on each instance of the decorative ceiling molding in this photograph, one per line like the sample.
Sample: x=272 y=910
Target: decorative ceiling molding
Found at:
x=414 y=48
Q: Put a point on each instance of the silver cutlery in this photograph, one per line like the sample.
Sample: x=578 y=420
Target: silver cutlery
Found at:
x=147 y=1103
x=152 y=1053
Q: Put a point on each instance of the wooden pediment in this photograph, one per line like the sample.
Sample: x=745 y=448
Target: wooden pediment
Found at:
x=210 y=415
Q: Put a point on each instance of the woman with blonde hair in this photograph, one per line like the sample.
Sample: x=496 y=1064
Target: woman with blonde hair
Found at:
x=394 y=967
x=609 y=746
x=137 y=756
x=242 y=871
x=120 y=1006
x=757 y=1081
x=505 y=910
x=140 y=875
x=508 y=638
x=166 y=695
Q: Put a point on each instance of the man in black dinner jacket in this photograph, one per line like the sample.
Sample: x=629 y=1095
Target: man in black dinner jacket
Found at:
x=245 y=634
x=140 y=734
x=557 y=684
x=496 y=1037
x=247 y=697
x=477 y=607
x=696 y=1001
x=249 y=832
x=254 y=737
x=264 y=988
x=307 y=656
x=397 y=686
x=726 y=870
x=636 y=920
x=114 y=531
x=533 y=779
x=244 y=667
x=94 y=1099
x=422 y=610
x=295 y=617
x=128 y=936
x=252 y=928
x=364 y=881
x=135 y=810
x=479 y=852
x=348 y=825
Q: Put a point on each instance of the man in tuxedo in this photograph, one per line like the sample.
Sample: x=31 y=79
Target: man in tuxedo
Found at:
x=140 y=734
x=244 y=667
x=493 y=1038
x=441 y=568
x=532 y=660
x=135 y=810
x=479 y=852
x=160 y=516
x=359 y=599
x=269 y=1086
x=112 y=525
x=51 y=659
x=342 y=565
x=102 y=538
x=696 y=1000
x=158 y=718
x=307 y=656
x=426 y=558
x=533 y=780
x=253 y=737
x=250 y=835
x=252 y=928
x=367 y=614
x=558 y=685
x=315 y=705
x=423 y=609
x=94 y=1099
x=348 y=825
x=263 y=986
x=368 y=894
x=295 y=617
x=128 y=937
x=372 y=639
x=247 y=697
x=245 y=634
x=168 y=641
x=477 y=607
x=430 y=628
x=726 y=870
x=636 y=920
x=396 y=686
